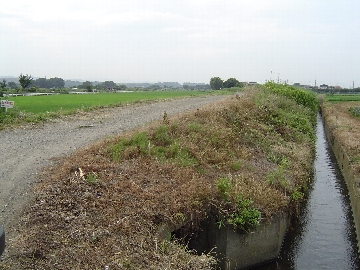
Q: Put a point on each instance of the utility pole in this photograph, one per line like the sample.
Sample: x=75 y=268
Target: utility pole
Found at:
x=353 y=85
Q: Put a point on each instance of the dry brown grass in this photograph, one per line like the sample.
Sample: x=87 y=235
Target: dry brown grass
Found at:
x=111 y=211
x=346 y=128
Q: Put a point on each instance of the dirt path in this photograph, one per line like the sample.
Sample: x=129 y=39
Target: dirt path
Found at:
x=24 y=152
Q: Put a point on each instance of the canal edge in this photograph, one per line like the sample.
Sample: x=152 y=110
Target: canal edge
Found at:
x=352 y=182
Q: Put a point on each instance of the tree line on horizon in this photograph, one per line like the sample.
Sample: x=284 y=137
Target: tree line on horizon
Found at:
x=28 y=83
x=216 y=83
x=25 y=81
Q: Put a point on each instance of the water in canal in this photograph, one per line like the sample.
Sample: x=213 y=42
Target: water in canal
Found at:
x=323 y=237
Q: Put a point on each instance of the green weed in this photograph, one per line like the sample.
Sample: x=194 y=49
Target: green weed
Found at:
x=91 y=178
x=236 y=165
x=296 y=195
x=194 y=127
x=278 y=179
x=128 y=148
x=246 y=216
x=355 y=159
x=185 y=158
x=224 y=187
x=161 y=135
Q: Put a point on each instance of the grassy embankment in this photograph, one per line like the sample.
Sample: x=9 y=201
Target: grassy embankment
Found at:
x=240 y=160
x=33 y=109
x=342 y=114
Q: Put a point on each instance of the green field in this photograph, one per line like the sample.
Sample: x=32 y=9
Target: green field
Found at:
x=72 y=102
x=336 y=98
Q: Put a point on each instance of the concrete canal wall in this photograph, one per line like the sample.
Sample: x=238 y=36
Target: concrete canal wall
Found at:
x=235 y=249
x=352 y=182
x=238 y=250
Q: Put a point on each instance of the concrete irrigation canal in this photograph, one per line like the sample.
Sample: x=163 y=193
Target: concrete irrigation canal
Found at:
x=323 y=236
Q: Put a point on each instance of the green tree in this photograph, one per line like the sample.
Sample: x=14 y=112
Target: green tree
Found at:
x=25 y=80
x=56 y=83
x=85 y=85
x=216 y=83
x=32 y=89
x=89 y=88
x=154 y=87
x=41 y=83
x=3 y=84
x=109 y=84
x=121 y=87
x=12 y=85
x=232 y=82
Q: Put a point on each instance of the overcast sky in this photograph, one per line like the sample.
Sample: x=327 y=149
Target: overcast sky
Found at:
x=182 y=40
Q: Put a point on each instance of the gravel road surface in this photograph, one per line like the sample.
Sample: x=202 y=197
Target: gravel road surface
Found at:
x=25 y=151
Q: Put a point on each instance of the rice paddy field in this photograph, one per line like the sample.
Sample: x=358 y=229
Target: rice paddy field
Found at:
x=335 y=98
x=71 y=102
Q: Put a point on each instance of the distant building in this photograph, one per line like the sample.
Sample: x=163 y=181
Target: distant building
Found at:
x=249 y=83
x=198 y=86
x=305 y=86
x=323 y=86
x=159 y=84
